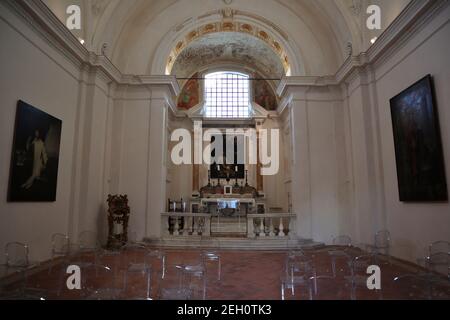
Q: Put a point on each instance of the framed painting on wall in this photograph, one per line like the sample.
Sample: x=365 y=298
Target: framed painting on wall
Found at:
x=418 y=145
x=35 y=156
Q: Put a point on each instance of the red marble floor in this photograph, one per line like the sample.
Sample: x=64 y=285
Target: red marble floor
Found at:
x=246 y=275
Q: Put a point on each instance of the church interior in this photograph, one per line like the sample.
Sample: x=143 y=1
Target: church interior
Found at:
x=224 y=150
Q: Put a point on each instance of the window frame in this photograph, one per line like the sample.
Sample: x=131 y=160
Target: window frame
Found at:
x=249 y=95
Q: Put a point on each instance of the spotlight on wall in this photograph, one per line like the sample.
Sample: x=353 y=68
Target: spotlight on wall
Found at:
x=373 y=40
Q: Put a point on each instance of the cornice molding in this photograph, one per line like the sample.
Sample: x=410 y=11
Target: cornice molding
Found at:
x=411 y=20
x=42 y=20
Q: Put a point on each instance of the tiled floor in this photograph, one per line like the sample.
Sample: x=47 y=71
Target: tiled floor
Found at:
x=246 y=275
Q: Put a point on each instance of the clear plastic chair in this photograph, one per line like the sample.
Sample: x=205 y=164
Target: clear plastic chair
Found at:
x=111 y=259
x=358 y=273
x=16 y=254
x=325 y=287
x=160 y=257
x=195 y=276
x=60 y=247
x=138 y=283
x=341 y=244
x=88 y=245
x=422 y=286
x=342 y=241
x=98 y=282
x=88 y=241
x=135 y=263
x=16 y=263
x=382 y=245
x=212 y=256
x=439 y=263
x=132 y=239
x=296 y=253
x=299 y=272
x=174 y=286
x=439 y=247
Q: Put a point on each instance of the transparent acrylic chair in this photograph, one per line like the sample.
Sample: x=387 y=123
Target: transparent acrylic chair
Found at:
x=439 y=247
x=101 y=283
x=135 y=264
x=439 y=263
x=159 y=256
x=341 y=244
x=212 y=256
x=111 y=259
x=88 y=245
x=60 y=247
x=195 y=275
x=88 y=241
x=16 y=263
x=381 y=245
x=14 y=281
x=175 y=285
x=137 y=284
x=358 y=273
x=97 y=283
x=439 y=258
x=16 y=255
x=299 y=272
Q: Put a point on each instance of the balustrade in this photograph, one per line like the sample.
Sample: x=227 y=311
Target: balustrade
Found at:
x=259 y=226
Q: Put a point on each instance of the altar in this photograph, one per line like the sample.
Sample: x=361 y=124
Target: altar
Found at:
x=228 y=206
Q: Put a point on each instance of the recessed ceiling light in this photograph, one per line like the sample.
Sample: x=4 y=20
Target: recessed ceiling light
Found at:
x=81 y=41
x=373 y=40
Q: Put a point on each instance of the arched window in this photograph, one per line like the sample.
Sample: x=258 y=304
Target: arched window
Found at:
x=227 y=95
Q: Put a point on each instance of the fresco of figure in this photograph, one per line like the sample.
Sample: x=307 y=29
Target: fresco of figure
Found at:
x=264 y=96
x=189 y=97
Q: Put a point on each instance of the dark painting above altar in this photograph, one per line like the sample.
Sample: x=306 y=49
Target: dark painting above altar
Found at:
x=231 y=168
x=227 y=171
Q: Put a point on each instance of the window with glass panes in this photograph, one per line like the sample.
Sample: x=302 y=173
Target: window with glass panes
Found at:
x=227 y=95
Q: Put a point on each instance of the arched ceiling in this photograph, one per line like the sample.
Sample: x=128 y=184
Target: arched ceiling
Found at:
x=228 y=47
x=139 y=35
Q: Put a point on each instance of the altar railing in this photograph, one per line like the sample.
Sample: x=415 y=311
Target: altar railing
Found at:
x=176 y=224
x=267 y=226
x=271 y=225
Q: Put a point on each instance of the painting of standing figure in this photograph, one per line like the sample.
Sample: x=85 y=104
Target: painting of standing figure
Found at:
x=418 y=147
x=35 y=156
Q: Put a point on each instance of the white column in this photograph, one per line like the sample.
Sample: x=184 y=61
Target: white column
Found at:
x=157 y=170
x=300 y=162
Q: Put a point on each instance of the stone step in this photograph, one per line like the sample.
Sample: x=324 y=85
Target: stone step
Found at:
x=231 y=243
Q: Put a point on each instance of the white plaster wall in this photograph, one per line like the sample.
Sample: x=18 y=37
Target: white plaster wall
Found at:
x=415 y=225
x=32 y=75
x=375 y=196
x=38 y=73
x=141 y=145
x=134 y=157
x=323 y=170
x=319 y=188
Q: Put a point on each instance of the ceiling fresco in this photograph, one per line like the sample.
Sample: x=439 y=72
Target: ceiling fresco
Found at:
x=228 y=47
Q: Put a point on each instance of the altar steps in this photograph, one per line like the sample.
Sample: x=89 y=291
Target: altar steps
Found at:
x=232 y=243
x=229 y=227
